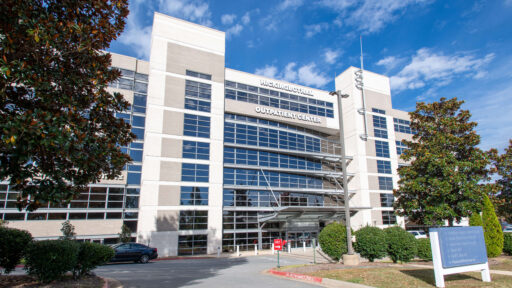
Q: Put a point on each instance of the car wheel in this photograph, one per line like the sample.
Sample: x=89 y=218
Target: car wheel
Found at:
x=144 y=259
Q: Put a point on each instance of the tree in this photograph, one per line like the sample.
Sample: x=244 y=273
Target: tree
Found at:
x=476 y=220
x=502 y=196
x=126 y=234
x=58 y=132
x=333 y=240
x=442 y=181
x=492 y=230
x=68 y=231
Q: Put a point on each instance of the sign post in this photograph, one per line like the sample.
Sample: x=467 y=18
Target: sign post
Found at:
x=457 y=250
x=278 y=246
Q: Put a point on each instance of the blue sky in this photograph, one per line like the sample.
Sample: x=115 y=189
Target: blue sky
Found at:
x=429 y=49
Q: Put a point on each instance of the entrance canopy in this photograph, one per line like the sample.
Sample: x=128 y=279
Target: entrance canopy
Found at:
x=304 y=213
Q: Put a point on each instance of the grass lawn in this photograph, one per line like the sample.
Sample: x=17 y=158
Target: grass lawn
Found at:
x=396 y=277
x=503 y=263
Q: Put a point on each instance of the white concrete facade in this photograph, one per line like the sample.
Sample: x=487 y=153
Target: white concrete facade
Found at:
x=179 y=48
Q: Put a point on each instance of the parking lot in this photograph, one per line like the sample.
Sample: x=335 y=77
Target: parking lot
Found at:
x=214 y=272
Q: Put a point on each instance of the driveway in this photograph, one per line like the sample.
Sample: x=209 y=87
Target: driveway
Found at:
x=210 y=273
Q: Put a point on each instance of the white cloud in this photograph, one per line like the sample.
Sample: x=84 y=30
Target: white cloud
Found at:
x=246 y=18
x=437 y=69
x=312 y=30
x=290 y=4
x=390 y=62
x=197 y=11
x=307 y=74
x=136 y=35
x=508 y=2
x=267 y=71
x=234 y=30
x=228 y=19
x=330 y=56
x=289 y=74
x=279 y=13
x=370 y=16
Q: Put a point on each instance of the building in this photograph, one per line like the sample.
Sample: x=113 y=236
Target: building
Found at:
x=226 y=158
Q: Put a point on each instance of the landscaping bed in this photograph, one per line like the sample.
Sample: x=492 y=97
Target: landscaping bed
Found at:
x=26 y=281
x=387 y=274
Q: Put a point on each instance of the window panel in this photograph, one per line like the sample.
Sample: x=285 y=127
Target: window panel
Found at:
x=386 y=200
x=382 y=149
x=384 y=166
x=385 y=183
x=194 y=195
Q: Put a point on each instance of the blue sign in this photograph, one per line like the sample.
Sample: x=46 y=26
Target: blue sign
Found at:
x=461 y=246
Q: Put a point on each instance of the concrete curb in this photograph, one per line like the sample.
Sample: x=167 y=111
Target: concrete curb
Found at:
x=326 y=282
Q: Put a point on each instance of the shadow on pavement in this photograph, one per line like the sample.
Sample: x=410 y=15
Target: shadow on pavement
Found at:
x=167 y=273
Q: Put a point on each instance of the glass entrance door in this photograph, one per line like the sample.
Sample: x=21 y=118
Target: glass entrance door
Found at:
x=296 y=239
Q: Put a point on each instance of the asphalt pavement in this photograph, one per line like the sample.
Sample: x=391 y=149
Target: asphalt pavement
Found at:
x=210 y=273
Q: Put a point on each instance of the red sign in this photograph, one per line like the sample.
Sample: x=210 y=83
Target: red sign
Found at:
x=278 y=244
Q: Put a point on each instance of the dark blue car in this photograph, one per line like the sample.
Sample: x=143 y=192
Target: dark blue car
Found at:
x=133 y=252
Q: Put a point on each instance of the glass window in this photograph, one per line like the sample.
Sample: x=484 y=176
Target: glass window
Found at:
x=194 y=172
x=197 y=96
x=192 y=244
x=384 y=166
x=193 y=220
x=385 y=183
x=196 y=150
x=199 y=75
x=382 y=149
x=380 y=111
x=379 y=122
x=386 y=200
x=400 y=147
x=403 y=126
x=388 y=218
x=196 y=126
x=194 y=195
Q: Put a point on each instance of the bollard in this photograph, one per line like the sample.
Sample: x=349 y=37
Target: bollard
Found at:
x=289 y=248
x=273 y=249
x=218 y=252
x=237 y=250
x=255 y=249
x=304 y=246
x=314 y=250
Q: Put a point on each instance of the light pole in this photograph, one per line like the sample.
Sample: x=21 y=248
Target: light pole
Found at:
x=350 y=250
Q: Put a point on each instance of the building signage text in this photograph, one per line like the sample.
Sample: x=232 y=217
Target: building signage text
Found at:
x=290 y=115
x=285 y=87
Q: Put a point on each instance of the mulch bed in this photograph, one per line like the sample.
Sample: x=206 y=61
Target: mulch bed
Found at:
x=25 y=281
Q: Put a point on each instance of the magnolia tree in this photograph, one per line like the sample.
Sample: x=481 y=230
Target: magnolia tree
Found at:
x=442 y=182
x=58 y=132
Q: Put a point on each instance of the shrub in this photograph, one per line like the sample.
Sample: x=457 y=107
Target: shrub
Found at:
x=507 y=243
x=13 y=243
x=51 y=259
x=492 y=230
x=424 y=249
x=90 y=256
x=370 y=243
x=401 y=244
x=476 y=219
x=333 y=240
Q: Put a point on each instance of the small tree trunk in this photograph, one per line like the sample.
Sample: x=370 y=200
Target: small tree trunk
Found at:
x=450 y=222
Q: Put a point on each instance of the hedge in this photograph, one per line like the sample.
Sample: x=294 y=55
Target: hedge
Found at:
x=333 y=240
x=401 y=244
x=90 y=256
x=507 y=243
x=424 y=249
x=370 y=243
x=13 y=243
x=50 y=259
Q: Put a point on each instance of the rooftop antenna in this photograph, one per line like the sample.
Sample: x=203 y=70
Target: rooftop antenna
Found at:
x=360 y=86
